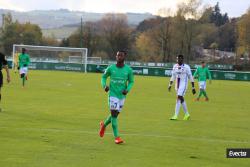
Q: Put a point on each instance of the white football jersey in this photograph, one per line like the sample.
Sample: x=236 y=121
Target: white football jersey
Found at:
x=181 y=73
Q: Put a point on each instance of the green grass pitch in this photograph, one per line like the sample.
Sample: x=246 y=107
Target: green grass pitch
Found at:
x=54 y=122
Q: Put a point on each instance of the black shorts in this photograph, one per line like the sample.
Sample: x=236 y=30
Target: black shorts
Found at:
x=1 y=79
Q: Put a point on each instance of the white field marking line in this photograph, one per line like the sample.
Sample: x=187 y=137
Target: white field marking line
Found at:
x=133 y=134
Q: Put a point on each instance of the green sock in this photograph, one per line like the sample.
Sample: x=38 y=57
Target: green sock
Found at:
x=23 y=80
x=107 y=121
x=200 y=94
x=115 y=126
x=205 y=93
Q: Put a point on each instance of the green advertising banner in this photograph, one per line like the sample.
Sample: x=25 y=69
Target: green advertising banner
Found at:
x=138 y=70
x=157 y=71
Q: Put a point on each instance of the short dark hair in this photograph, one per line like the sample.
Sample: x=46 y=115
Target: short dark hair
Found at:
x=123 y=51
x=202 y=62
x=23 y=50
x=180 y=56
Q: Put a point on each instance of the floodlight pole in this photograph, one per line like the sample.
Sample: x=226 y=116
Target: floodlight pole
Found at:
x=81 y=36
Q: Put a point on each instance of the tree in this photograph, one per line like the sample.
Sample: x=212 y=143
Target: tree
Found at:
x=187 y=16
x=217 y=17
x=116 y=32
x=227 y=36
x=90 y=37
x=16 y=33
x=244 y=34
x=163 y=37
x=146 y=47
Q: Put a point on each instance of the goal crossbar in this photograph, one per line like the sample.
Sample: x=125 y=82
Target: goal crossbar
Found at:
x=83 y=51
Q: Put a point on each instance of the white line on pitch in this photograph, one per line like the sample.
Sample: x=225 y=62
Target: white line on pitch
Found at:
x=130 y=134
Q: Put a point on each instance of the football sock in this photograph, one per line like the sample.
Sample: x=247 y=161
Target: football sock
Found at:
x=200 y=93
x=184 y=105
x=177 y=107
x=107 y=121
x=205 y=93
x=23 y=80
x=115 y=126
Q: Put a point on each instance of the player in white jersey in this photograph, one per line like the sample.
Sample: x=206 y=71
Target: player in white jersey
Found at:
x=181 y=73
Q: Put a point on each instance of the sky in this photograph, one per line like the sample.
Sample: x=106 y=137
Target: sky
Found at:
x=234 y=8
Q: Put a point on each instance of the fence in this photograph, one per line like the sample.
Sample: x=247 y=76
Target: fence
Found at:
x=139 y=70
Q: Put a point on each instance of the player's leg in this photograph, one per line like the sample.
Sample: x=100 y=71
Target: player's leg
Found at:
x=114 y=105
x=185 y=109
x=106 y=122
x=23 y=72
x=23 y=79
x=204 y=92
x=200 y=91
x=177 y=109
x=181 y=95
x=114 y=122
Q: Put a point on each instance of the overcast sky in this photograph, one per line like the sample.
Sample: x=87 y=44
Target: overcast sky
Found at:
x=232 y=7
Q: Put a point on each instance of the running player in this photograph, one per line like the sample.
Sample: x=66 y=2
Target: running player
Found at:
x=24 y=61
x=121 y=82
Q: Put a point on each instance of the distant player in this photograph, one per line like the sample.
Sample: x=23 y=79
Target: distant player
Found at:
x=24 y=61
x=121 y=82
x=181 y=73
x=3 y=64
x=203 y=73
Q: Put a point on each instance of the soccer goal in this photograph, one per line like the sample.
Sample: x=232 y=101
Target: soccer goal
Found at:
x=51 y=54
x=94 y=60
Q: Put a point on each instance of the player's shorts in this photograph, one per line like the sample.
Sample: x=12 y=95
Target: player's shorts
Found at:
x=116 y=104
x=1 y=79
x=181 y=91
x=202 y=84
x=23 y=70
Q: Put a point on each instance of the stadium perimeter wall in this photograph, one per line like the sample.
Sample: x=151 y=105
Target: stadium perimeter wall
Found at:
x=139 y=70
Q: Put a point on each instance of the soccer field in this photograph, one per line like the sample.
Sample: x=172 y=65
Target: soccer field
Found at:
x=54 y=122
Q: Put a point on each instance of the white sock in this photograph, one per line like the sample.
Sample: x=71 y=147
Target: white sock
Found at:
x=177 y=107
x=184 y=105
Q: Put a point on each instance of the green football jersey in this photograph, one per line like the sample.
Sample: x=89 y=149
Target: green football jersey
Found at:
x=24 y=60
x=202 y=74
x=120 y=79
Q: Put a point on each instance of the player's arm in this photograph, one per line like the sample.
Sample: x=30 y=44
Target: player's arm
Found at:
x=130 y=82
x=196 y=73
x=5 y=66
x=191 y=79
x=173 y=77
x=105 y=75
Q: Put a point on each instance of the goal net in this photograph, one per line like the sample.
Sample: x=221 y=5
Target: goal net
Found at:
x=50 y=54
x=94 y=60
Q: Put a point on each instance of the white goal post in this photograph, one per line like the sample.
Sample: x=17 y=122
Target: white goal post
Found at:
x=51 y=54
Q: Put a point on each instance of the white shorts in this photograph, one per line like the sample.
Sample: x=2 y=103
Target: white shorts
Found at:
x=116 y=104
x=23 y=70
x=181 y=91
x=202 y=84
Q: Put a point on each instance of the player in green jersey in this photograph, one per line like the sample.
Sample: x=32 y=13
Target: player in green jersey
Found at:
x=24 y=61
x=203 y=74
x=121 y=82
